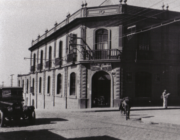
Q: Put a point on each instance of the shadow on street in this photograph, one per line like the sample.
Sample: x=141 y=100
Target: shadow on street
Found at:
x=44 y=135
x=39 y=121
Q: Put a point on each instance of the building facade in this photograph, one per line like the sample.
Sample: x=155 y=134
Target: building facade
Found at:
x=100 y=54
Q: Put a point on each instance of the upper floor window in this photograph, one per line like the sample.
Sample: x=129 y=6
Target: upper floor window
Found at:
x=34 y=62
x=19 y=83
x=41 y=63
x=48 y=84
x=101 y=39
x=32 y=86
x=60 y=49
x=144 y=41
x=72 y=43
x=40 y=85
x=27 y=86
x=59 y=84
x=72 y=83
x=23 y=84
x=50 y=56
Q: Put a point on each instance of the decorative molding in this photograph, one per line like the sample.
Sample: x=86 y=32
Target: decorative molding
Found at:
x=83 y=82
x=117 y=83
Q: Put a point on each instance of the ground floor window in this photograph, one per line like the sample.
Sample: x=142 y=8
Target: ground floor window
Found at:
x=72 y=83
x=40 y=85
x=48 y=84
x=59 y=84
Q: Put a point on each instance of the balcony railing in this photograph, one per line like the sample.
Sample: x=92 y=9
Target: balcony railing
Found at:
x=39 y=67
x=102 y=54
x=58 y=62
x=32 y=69
x=48 y=64
x=72 y=57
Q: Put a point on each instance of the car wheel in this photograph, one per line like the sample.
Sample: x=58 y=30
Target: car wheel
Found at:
x=1 y=119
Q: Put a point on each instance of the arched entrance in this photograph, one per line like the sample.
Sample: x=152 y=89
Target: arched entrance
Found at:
x=101 y=89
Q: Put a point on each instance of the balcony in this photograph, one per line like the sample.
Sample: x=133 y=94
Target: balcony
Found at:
x=39 y=67
x=72 y=57
x=48 y=64
x=32 y=69
x=109 y=54
x=58 y=62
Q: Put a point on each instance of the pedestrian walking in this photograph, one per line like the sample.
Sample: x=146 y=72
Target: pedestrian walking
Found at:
x=165 y=96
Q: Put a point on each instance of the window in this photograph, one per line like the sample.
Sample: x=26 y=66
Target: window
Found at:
x=48 y=84
x=19 y=83
x=34 y=62
x=40 y=85
x=72 y=43
x=72 y=83
x=60 y=50
x=23 y=85
x=41 y=63
x=50 y=56
x=59 y=84
x=144 y=41
x=32 y=86
x=27 y=86
x=101 y=39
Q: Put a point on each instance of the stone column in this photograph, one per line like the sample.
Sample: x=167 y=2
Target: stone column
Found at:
x=83 y=87
x=36 y=93
x=44 y=86
x=53 y=86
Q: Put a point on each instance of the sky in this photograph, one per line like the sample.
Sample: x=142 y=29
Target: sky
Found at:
x=21 y=21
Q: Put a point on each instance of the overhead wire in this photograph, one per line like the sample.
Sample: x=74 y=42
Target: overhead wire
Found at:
x=140 y=30
x=148 y=17
x=144 y=27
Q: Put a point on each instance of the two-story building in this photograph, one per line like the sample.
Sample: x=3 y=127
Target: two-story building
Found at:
x=100 y=54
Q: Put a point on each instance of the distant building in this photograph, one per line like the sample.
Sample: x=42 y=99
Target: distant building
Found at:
x=100 y=54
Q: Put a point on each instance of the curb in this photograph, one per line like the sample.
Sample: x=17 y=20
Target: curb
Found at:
x=164 y=124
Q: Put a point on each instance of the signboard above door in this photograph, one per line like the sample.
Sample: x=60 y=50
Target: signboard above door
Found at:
x=101 y=66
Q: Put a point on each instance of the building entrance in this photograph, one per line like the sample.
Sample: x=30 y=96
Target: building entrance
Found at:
x=101 y=87
x=143 y=84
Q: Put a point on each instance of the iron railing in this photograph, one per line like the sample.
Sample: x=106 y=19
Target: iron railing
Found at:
x=102 y=54
x=72 y=57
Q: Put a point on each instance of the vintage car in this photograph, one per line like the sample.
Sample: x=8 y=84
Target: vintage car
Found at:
x=11 y=106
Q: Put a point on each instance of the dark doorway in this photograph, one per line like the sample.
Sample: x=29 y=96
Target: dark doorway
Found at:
x=143 y=84
x=101 y=89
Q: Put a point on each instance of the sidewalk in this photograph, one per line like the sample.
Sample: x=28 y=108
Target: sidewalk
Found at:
x=152 y=115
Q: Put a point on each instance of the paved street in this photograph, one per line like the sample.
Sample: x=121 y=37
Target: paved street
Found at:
x=92 y=125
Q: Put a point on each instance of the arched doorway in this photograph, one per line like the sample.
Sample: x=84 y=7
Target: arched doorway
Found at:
x=143 y=84
x=101 y=89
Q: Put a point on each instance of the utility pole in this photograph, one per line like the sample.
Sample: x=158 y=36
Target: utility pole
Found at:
x=12 y=80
